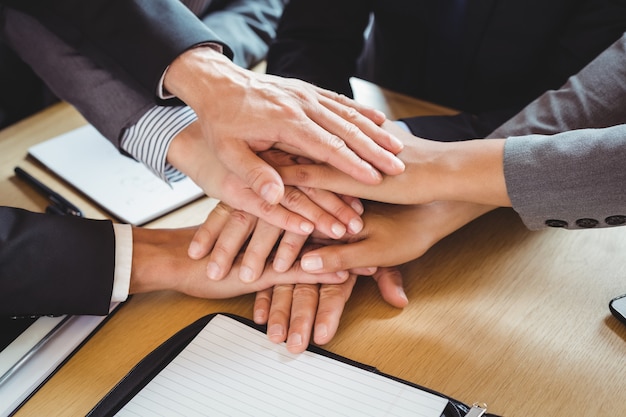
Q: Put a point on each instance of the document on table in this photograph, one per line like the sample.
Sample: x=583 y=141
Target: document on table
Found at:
x=37 y=352
x=232 y=369
x=124 y=187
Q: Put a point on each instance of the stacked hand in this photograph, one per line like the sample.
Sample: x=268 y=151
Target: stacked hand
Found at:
x=276 y=206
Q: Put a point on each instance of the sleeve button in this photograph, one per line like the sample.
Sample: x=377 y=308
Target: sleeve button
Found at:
x=615 y=220
x=587 y=223
x=556 y=223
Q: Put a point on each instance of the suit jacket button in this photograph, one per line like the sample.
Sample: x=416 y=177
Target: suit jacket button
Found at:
x=556 y=223
x=615 y=220
x=587 y=223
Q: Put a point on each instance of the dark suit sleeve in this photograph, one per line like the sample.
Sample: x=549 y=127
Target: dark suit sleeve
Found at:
x=320 y=47
x=142 y=36
x=247 y=26
x=54 y=264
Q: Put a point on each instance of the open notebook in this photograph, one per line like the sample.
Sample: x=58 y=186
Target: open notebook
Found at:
x=224 y=365
x=119 y=184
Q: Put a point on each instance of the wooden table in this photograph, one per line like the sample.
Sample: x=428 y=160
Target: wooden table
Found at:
x=497 y=314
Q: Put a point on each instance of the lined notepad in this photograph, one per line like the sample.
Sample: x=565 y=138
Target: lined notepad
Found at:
x=231 y=369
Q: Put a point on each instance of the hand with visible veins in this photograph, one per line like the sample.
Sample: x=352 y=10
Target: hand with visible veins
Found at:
x=320 y=210
x=242 y=112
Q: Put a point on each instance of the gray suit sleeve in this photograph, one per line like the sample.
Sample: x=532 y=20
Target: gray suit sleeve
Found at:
x=106 y=96
x=565 y=154
x=101 y=90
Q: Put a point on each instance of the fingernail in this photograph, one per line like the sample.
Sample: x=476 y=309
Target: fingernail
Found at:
x=271 y=193
x=342 y=274
x=213 y=270
x=397 y=143
x=295 y=339
x=246 y=274
x=398 y=164
x=357 y=206
x=338 y=230
x=259 y=316
x=321 y=331
x=275 y=330
x=355 y=226
x=376 y=175
x=280 y=265
x=311 y=263
x=402 y=294
x=307 y=227
x=194 y=250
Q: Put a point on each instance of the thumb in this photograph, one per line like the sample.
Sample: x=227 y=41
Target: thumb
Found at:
x=389 y=282
x=254 y=171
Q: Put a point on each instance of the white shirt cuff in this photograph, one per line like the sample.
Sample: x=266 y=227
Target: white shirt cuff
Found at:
x=149 y=139
x=123 y=261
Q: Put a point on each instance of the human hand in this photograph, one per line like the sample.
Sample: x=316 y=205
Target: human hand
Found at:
x=301 y=210
x=160 y=262
x=393 y=234
x=227 y=232
x=471 y=171
x=294 y=313
x=243 y=112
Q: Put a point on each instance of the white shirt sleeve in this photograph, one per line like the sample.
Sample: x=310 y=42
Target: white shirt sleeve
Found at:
x=149 y=139
x=123 y=261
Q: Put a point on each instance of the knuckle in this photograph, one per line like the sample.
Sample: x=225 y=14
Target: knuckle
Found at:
x=205 y=235
x=254 y=256
x=241 y=218
x=222 y=209
x=293 y=197
x=264 y=296
x=351 y=131
x=266 y=209
x=283 y=289
x=302 y=175
x=220 y=253
x=352 y=114
x=337 y=144
x=289 y=245
x=255 y=174
x=306 y=291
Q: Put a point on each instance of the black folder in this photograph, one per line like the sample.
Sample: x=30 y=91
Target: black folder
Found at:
x=149 y=367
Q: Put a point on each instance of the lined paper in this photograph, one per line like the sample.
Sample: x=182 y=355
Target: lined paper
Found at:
x=231 y=369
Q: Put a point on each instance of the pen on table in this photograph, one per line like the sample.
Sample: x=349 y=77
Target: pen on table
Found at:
x=59 y=204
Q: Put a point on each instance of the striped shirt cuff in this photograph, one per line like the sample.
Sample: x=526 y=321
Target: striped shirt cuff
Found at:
x=149 y=139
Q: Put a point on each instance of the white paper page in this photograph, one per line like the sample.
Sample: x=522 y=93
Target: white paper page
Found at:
x=26 y=341
x=39 y=366
x=230 y=369
x=121 y=185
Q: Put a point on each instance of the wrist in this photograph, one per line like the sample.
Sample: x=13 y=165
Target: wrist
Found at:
x=194 y=74
x=473 y=171
x=159 y=259
x=191 y=154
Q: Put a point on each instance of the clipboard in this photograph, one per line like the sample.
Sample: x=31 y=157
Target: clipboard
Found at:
x=154 y=363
